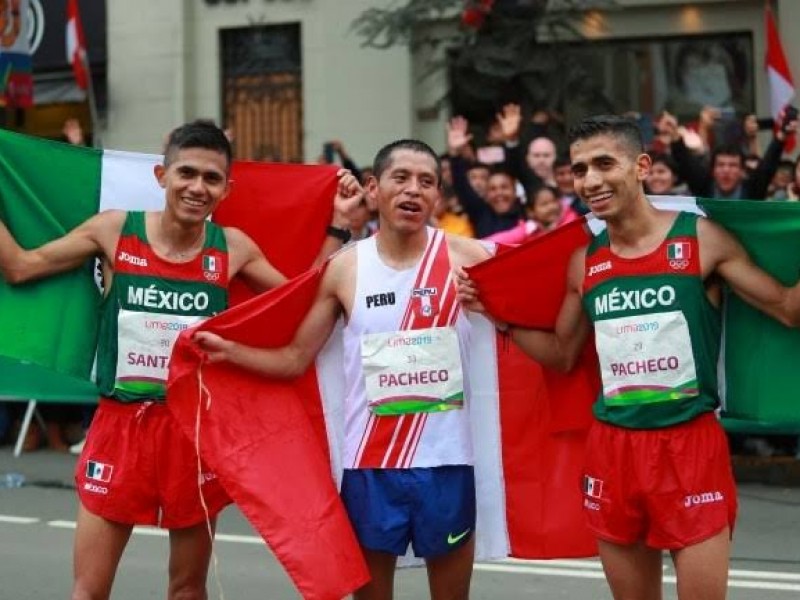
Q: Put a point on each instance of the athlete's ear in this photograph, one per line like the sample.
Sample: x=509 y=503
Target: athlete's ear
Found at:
x=643 y=164
x=371 y=189
x=159 y=171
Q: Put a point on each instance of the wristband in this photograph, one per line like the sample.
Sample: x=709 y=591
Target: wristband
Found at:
x=340 y=234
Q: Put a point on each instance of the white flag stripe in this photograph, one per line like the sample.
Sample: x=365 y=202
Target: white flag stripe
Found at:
x=127 y=181
x=781 y=91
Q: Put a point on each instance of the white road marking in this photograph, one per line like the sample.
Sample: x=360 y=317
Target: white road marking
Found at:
x=579 y=569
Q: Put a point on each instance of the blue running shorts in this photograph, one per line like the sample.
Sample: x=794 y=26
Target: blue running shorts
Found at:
x=431 y=508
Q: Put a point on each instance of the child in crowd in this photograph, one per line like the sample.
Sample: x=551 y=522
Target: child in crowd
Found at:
x=544 y=211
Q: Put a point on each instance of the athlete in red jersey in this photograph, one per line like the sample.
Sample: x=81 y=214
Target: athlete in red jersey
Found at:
x=195 y=178
x=658 y=473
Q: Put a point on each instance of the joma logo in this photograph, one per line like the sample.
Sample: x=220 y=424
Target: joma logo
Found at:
x=703 y=498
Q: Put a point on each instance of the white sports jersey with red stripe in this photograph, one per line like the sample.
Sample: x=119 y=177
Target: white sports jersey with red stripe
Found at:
x=384 y=302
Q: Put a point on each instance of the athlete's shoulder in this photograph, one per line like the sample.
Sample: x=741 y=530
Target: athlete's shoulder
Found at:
x=343 y=262
x=468 y=251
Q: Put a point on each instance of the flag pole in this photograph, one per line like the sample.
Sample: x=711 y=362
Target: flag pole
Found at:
x=97 y=137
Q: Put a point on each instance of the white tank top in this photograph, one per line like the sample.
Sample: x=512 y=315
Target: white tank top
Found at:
x=384 y=303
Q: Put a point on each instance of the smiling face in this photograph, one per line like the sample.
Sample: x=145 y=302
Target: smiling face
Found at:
x=195 y=181
x=545 y=208
x=728 y=172
x=661 y=179
x=406 y=191
x=608 y=174
x=501 y=193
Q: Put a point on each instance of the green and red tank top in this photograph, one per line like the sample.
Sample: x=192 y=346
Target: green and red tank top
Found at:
x=656 y=332
x=151 y=300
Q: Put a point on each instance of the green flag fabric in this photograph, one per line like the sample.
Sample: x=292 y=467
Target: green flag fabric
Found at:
x=46 y=189
x=49 y=327
x=761 y=356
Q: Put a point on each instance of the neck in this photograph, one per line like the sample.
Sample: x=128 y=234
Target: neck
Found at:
x=179 y=240
x=628 y=230
x=401 y=250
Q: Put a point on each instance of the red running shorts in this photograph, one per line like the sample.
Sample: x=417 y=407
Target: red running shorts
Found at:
x=138 y=468
x=670 y=487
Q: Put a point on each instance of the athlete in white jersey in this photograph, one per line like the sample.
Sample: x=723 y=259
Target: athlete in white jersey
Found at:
x=406 y=303
x=409 y=475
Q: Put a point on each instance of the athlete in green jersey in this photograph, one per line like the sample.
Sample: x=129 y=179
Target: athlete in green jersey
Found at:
x=658 y=473
x=160 y=258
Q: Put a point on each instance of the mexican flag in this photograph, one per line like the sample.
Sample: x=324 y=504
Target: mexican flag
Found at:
x=49 y=326
x=46 y=189
x=759 y=355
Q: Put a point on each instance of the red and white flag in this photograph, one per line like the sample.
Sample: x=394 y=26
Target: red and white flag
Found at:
x=276 y=445
x=781 y=84
x=76 y=46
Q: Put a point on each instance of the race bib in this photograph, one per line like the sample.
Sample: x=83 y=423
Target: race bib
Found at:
x=415 y=371
x=145 y=346
x=646 y=359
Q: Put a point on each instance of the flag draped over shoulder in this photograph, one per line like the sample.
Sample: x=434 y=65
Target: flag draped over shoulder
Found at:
x=759 y=356
x=49 y=326
x=48 y=188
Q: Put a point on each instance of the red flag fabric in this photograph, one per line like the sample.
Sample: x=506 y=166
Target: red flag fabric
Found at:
x=284 y=208
x=258 y=438
x=76 y=45
x=781 y=83
x=528 y=466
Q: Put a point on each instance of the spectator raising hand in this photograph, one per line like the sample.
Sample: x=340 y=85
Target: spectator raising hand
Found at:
x=73 y=132
x=458 y=136
x=510 y=119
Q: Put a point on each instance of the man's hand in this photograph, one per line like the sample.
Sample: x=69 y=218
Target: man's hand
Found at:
x=667 y=124
x=348 y=195
x=458 y=136
x=215 y=348
x=338 y=148
x=467 y=292
x=509 y=120
x=790 y=128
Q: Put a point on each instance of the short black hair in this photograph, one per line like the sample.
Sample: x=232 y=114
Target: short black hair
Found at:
x=562 y=160
x=384 y=156
x=534 y=193
x=622 y=128
x=664 y=159
x=728 y=150
x=200 y=133
x=479 y=165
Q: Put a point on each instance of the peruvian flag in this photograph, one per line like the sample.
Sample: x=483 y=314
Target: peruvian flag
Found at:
x=781 y=85
x=76 y=45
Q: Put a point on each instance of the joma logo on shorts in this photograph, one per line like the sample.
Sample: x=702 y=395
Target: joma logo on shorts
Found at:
x=96 y=489
x=703 y=498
